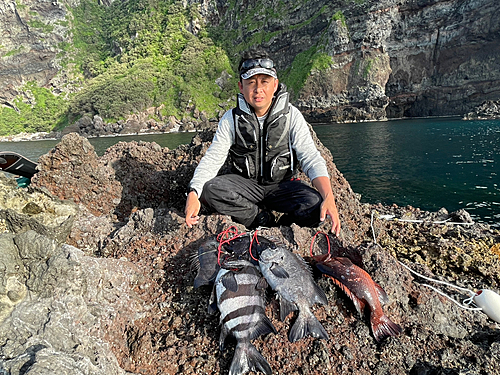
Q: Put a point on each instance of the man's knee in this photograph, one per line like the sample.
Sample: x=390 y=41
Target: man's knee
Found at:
x=308 y=200
x=306 y=208
x=216 y=190
x=313 y=199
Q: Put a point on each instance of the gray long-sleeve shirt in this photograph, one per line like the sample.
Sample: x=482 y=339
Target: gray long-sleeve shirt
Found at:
x=310 y=160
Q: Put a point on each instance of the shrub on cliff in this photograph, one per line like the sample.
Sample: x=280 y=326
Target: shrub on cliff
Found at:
x=145 y=53
x=124 y=58
x=39 y=111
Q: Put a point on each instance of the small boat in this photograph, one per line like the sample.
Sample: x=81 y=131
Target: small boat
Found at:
x=17 y=164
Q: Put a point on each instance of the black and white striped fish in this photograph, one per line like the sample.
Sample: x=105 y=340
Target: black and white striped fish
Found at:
x=239 y=292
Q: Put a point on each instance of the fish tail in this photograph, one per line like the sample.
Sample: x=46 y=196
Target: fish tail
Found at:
x=307 y=324
x=383 y=327
x=248 y=358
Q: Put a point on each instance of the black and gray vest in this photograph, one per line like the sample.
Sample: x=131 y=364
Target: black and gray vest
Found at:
x=263 y=153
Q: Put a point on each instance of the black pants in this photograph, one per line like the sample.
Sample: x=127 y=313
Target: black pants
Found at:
x=241 y=199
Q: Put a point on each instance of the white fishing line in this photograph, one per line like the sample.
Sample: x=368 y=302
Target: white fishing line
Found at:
x=373 y=230
x=487 y=300
x=420 y=221
x=466 y=302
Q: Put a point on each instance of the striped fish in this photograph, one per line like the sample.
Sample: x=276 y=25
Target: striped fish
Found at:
x=239 y=293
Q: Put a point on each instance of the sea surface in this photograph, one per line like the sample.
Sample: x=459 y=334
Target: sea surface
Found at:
x=425 y=163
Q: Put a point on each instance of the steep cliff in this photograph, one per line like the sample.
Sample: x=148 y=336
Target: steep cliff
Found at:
x=152 y=58
x=343 y=61
x=403 y=58
x=32 y=32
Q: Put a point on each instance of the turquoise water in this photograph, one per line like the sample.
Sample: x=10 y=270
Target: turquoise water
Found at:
x=34 y=149
x=426 y=163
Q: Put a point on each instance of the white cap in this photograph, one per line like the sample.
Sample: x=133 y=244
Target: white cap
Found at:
x=254 y=71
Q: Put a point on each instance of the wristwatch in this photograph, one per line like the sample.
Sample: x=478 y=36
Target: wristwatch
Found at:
x=190 y=190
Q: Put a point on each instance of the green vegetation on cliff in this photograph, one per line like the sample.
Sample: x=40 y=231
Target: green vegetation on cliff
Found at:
x=254 y=30
x=129 y=56
x=41 y=112
x=143 y=53
x=136 y=54
x=301 y=68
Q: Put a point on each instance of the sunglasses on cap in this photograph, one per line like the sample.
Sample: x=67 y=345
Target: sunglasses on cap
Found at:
x=252 y=63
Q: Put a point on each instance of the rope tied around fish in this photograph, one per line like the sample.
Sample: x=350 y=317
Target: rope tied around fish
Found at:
x=486 y=300
x=224 y=237
x=312 y=243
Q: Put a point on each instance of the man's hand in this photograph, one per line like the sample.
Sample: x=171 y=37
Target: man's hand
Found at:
x=192 y=209
x=328 y=207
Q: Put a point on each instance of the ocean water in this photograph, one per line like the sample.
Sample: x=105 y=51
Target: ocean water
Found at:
x=34 y=149
x=425 y=163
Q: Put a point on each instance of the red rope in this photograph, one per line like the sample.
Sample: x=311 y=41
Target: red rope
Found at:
x=251 y=242
x=221 y=237
x=224 y=237
x=312 y=243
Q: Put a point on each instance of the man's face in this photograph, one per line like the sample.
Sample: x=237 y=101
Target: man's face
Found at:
x=258 y=91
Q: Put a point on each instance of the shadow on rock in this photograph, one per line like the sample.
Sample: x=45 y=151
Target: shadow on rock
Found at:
x=152 y=176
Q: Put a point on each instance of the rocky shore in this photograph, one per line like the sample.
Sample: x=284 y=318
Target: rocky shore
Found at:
x=96 y=275
x=489 y=110
x=141 y=123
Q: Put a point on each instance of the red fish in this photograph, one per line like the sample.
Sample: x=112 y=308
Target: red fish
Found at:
x=361 y=289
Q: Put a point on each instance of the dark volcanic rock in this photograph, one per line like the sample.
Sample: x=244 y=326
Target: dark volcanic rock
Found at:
x=151 y=176
x=130 y=305
x=489 y=110
x=386 y=58
x=72 y=171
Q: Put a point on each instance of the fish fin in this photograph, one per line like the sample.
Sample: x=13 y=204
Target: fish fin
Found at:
x=279 y=271
x=319 y=295
x=306 y=266
x=286 y=308
x=247 y=358
x=382 y=295
x=229 y=282
x=307 y=325
x=204 y=280
x=324 y=269
x=222 y=337
x=212 y=308
x=358 y=304
x=263 y=327
x=212 y=302
x=194 y=260
x=383 y=327
x=199 y=282
x=261 y=284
